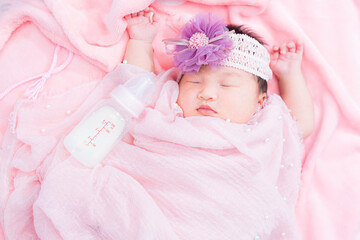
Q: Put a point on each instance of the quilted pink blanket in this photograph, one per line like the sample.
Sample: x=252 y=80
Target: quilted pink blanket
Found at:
x=58 y=52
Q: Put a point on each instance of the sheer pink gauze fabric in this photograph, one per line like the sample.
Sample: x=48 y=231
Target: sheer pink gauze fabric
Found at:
x=181 y=178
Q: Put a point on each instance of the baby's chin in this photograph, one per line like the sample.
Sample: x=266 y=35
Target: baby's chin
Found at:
x=227 y=119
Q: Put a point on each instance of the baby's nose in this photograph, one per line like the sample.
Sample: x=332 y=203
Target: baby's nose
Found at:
x=208 y=93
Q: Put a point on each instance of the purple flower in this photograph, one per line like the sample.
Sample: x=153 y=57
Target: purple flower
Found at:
x=203 y=46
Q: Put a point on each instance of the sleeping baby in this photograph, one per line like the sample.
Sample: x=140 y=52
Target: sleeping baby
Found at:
x=222 y=72
x=213 y=156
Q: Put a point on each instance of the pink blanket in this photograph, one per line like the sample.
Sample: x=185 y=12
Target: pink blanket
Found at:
x=179 y=178
x=327 y=207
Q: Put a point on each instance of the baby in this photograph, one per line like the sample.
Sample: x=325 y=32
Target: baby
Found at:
x=226 y=88
x=209 y=159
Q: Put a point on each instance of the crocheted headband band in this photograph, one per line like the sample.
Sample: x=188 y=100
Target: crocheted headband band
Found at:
x=248 y=55
x=206 y=41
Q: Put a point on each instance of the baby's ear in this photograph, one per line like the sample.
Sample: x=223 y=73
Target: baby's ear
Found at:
x=262 y=98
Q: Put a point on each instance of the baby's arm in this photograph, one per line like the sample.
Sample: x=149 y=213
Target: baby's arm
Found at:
x=142 y=28
x=286 y=65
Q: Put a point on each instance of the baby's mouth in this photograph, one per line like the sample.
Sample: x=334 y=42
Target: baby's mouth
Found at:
x=206 y=110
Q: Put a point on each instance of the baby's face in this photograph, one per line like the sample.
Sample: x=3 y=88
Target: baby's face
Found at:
x=226 y=93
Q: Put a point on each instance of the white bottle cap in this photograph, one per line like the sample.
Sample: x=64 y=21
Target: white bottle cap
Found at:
x=133 y=95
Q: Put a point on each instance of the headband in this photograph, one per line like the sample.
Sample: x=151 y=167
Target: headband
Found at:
x=206 y=41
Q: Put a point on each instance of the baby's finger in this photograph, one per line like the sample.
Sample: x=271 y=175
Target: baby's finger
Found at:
x=283 y=49
x=291 y=47
x=275 y=48
x=299 y=47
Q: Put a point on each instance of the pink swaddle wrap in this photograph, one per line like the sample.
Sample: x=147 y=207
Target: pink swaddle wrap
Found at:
x=179 y=178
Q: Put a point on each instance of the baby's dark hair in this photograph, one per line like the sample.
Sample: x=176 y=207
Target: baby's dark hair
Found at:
x=242 y=29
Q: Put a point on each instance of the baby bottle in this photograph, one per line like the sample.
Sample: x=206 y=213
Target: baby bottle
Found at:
x=93 y=138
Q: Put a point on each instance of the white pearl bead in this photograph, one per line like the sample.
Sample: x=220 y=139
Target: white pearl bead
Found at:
x=282 y=166
x=291 y=165
x=257 y=237
x=256 y=123
x=266 y=217
x=124 y=62
x=276 y=187
x=248 y=129
x=43 y=130
x=68 y=112
x=48 y=106
x=280 y=117
x=283 y=234
x=285 y=198
x=267 y=140
x=284 y=139
x=227 y=120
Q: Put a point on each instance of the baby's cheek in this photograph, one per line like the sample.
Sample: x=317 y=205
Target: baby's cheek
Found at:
x=238 y=112
x=186 y=100
x=181 y=101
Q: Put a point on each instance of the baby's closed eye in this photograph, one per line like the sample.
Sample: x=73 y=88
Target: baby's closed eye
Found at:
x=229 y=84
x=194 y=81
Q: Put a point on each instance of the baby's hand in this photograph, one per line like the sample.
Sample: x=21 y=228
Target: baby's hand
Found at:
x=286 y=60
x=143 y=25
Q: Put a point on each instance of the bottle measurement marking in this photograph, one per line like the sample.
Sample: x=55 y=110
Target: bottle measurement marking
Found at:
x=103 y=128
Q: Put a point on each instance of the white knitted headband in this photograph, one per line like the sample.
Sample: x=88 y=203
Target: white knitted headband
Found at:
x=248 y=55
